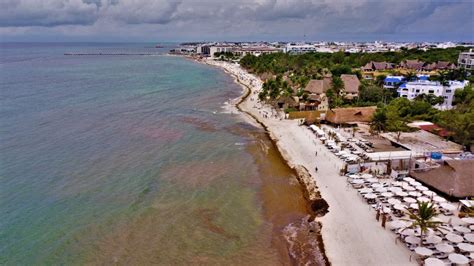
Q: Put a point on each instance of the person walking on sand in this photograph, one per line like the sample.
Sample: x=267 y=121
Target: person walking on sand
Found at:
x=316 y=168
x=384 y=219
x=316 y=153
x=377 y=215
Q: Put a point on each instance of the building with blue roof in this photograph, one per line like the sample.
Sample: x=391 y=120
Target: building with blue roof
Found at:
x=391 y=82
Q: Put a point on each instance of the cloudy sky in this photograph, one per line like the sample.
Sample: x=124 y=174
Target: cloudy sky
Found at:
x=187 y=20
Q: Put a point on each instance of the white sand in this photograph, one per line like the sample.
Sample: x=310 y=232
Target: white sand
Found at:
x=350 y=233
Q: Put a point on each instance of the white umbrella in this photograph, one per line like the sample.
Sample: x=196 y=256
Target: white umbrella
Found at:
x=414 y=193
x=357 y=181
x=370 y=196
x=394 y=189
x=396 y=224
x=408 y=188
x=365 y=190
x=377 y=185
x=466 y=247
x=423 y=199
x=434 y=262
x=399 y=207
x=401 y=193
x=454 y=238
x=409 y=200
x=462 y=229
x=354 y=176
x=386 y=210
x=429 y=193
x=367 y=176
x=394 y=201
x=397 y=183
x=439 y=199
x=407 y=232
x=414 y=206
x=372 y=180
x=469 y=237
x=433 y=239
x=447 y=206
x=471 y=255
x=421 y=188
x=458 y=258
x=412 y=240
x=381 y=189
x=445 y=248
x=469 y=220
x=387 y=194
x=415 y=183
x=423 y=251
x=408 y=179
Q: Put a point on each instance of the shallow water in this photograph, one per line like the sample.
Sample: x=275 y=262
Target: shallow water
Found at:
x=133 y=160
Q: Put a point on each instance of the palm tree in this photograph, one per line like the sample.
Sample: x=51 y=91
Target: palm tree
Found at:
x=423 y=218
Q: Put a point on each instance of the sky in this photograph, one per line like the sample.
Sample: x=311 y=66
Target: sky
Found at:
x=236 y=20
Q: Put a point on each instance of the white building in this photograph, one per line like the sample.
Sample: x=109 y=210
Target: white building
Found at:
x=466 y=60
x=412 y=89
x=294 y=48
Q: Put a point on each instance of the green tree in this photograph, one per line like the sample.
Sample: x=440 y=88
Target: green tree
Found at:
x=423 y=218
x=379 y=120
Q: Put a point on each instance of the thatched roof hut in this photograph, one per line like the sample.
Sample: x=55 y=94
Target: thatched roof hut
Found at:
x=453 y=177
x=318 y=86
x=350 y=115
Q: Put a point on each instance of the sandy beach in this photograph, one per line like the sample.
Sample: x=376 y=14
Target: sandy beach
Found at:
x=350 y=232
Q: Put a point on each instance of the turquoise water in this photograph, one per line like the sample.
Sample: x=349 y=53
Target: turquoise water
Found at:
x=133 y=160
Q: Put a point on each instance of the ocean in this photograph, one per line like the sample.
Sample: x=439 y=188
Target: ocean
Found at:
x=135 y=159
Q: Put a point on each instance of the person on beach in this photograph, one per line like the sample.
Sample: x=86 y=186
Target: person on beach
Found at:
x=377 y=215
x=316 y=169
x=384 y=219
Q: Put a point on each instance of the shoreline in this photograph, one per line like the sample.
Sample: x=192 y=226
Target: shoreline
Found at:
x=349 y=231
x=307 y=184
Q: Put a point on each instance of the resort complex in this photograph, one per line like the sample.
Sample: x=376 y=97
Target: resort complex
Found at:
x=350 y=134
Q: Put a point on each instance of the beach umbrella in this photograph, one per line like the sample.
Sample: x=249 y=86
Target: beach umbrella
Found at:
x=387 y=194
x=421 y=188
x=414 y=194
x=409 y=200
x=423 y=199
x=433 y=239
x=462 y=229
x=468 y=220
x=439 y=199
x=415 y=183
x=394 y=201
x=365 y=190
x=469 y=237
x=386 y=210
x=409 y=188
x=444 y=247
x=355 y=176
x=408 y=179
x=381 y=189
x=434 y=262
x=414 y=206
x=394 y=189
x=466 y=247
x=429 y=193
x=357 y=181
x=370 y=196
x=399 y=207
x=372 y=180
x=422 y=251
x=412 y=240
x=472 y=256
x=367 y=176
x=458 y=258
x=397 y=183
x=447 y=206
x=408 y=232
x=376 y=185
x=396 y=224
x=454 y=238
x=401 y=193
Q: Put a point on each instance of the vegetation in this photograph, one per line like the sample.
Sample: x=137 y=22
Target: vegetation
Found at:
x=460 y=120
x=423 y=218
x=291 y=73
